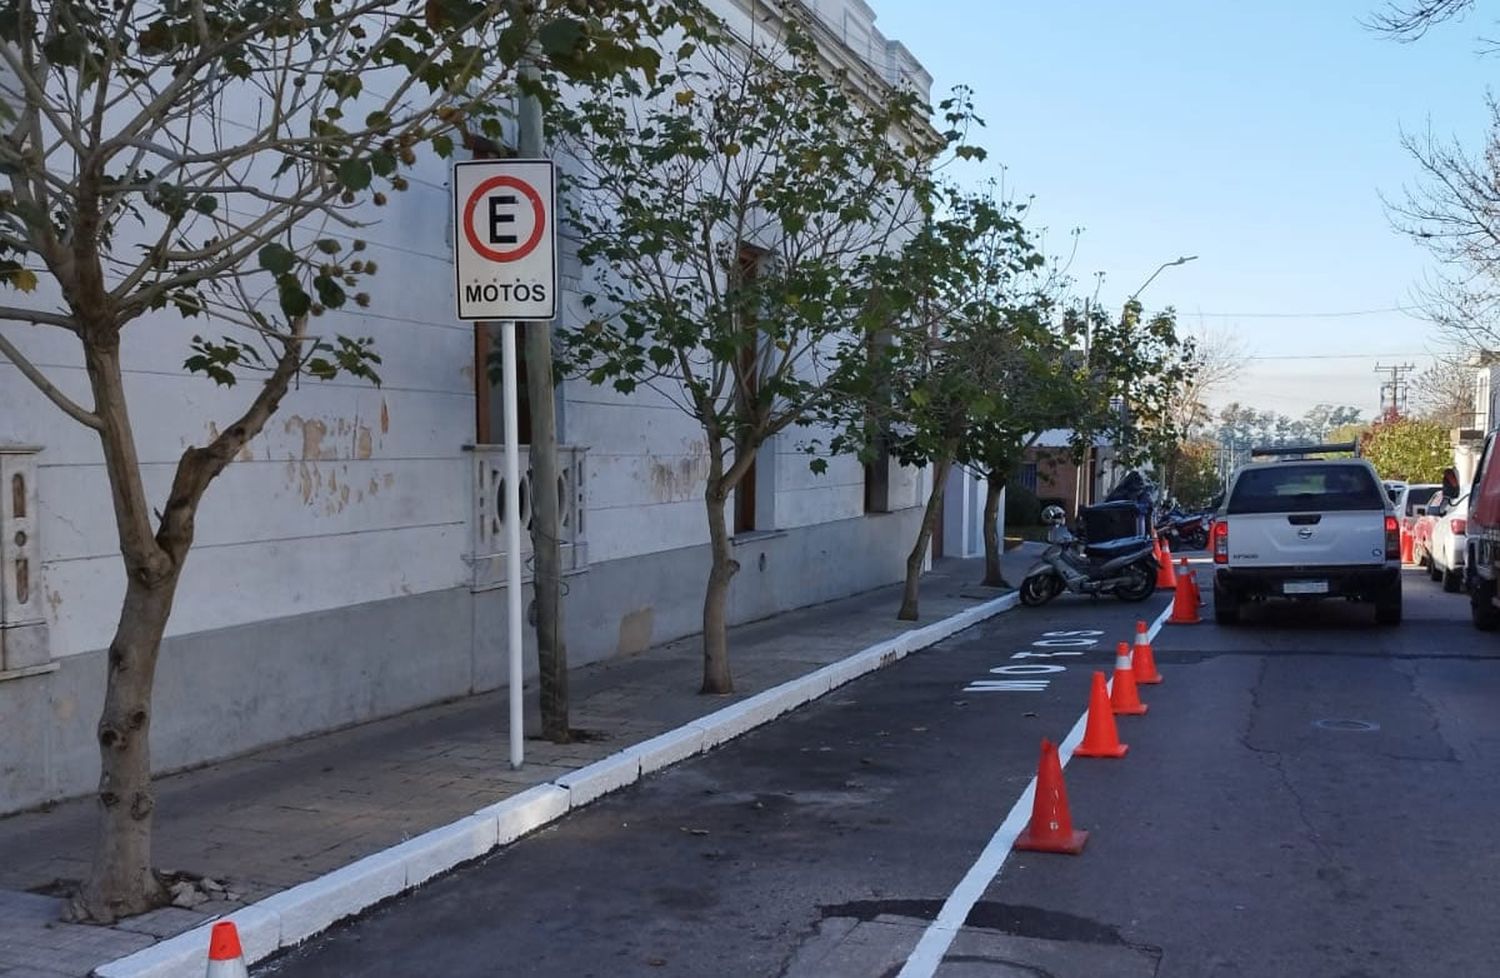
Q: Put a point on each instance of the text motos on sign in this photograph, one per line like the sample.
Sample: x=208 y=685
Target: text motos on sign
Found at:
x=505 y=240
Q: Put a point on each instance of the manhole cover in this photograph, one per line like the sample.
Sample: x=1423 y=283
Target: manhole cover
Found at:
x=1356 y=726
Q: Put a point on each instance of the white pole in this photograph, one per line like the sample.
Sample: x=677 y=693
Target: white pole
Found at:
x=513 y=540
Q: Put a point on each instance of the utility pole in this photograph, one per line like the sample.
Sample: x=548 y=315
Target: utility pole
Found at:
x=1393 y=392
x=546 y=548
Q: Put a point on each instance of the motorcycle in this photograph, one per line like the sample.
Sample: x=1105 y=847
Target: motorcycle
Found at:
x=1127 y=569
x=1185 y=531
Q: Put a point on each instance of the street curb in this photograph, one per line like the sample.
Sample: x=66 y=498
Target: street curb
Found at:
x=292 y=916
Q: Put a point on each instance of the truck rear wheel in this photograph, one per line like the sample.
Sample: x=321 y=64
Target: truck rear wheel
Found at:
x=1481 y=606
x=1388 y=606
x=1226 y=607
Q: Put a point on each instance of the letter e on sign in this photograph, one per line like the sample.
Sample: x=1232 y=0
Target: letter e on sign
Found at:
x=505 y=239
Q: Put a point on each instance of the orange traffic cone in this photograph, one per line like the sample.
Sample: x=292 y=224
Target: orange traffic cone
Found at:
x=1407 y=546
x=1165 y=576
x=1192 y=578
x=1124 y=697
x=1185 y=602
x=1051 y=827
x=225 y=959
x=1143 y=660
x=1101 y=738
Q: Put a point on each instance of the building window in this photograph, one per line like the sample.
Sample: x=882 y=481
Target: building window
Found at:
x=1028 y=477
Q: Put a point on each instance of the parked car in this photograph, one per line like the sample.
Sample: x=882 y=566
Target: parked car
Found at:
x=1447 y=543
x=1421 y=529
x=1411 y=503
x=1304 y=530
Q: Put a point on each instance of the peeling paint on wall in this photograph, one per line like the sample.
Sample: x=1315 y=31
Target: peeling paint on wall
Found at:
x=680 y=479
x=313 y=432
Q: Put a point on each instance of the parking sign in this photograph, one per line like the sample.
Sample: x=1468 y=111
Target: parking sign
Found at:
x=505 y=231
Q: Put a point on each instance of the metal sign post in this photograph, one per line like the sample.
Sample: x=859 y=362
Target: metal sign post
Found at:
x=505 y=267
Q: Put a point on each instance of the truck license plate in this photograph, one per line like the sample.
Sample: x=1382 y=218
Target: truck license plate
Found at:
x=1305 y=587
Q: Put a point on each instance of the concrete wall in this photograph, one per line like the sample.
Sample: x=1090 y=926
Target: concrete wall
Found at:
x=222 y=692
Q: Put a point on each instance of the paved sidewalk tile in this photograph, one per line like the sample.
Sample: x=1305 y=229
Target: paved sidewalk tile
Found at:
x=287 y=814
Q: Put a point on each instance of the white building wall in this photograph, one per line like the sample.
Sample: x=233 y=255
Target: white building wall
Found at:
x=342 y=531
x=352 y=494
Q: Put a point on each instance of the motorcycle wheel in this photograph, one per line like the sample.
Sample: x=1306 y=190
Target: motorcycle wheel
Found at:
x=1139 y=585
x=1038 y=589
x=1198 y=540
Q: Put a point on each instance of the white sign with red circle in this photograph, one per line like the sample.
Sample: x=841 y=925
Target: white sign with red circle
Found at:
x=505 y=239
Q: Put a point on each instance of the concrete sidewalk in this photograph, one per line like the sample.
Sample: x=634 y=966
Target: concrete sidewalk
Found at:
x=268 y=821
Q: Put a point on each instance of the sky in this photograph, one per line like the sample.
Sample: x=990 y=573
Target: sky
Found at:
x=1258 y=137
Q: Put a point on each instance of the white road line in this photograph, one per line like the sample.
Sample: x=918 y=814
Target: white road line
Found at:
x=940 y=934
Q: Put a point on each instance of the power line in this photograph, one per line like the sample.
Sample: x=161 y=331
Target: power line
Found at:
x=1336 y=356
x=1307 y=315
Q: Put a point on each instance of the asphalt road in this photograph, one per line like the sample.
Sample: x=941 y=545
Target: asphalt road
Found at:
x=1310 y=795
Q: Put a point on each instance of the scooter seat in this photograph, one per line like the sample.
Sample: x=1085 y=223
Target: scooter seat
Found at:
x=1110 y=549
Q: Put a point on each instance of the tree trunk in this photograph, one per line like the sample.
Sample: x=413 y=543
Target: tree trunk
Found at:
x=546 y=525
x=121 y=882
x=994 y=487
x=717 y=678
x=908 y=610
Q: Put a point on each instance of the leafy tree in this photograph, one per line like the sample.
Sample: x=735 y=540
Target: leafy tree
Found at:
x=1409 y=450
x=190 y=159
x=1134 y=369
x=966 y=275
x=1197 y=479
x=739 y=212
x=1038 y=389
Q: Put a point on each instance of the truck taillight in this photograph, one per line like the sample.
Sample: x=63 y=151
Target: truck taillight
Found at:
x=1392 y=538
x=1221 y=542
x=1460 y=527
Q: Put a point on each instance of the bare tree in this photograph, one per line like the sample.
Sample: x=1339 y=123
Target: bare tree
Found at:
x=1216 y=359
x=216 y=159
x=1411 y=21
x=1445 y=393
x=1454 y=211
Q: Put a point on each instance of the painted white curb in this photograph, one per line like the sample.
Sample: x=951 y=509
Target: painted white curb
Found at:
x=292 y=916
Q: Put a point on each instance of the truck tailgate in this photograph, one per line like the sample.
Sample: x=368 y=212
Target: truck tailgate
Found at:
x=1306 y=539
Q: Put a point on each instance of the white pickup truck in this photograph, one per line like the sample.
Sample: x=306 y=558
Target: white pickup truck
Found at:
x=1307 y=529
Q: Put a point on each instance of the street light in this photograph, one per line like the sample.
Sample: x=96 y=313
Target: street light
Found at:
x=1164 y=266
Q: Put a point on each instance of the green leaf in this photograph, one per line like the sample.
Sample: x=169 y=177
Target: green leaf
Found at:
x=442 y=146
x=354 y=174
x=295 y=301
x=383 y=163
x=560 y=36
x=276 y=259
x=819 y=466
x=329 y=292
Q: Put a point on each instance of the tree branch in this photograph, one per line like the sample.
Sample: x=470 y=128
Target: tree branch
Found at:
x=30 y=371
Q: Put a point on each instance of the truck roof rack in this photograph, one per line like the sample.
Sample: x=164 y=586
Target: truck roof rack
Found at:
x=1292 y=453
